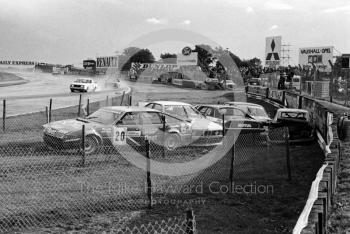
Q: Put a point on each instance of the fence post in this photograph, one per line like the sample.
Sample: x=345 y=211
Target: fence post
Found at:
x=79 y=107
x=4 y=115
x=232 y=161
x=300 y=104
x=223 y=125
x=268 y=142
x=284 y=98
x=47 y=114
x=83 y=145
x=163 y=148
x=331 y=82
x=50 y=110
x=88 y=107
x=130 y=100
x=190 y=222
x=148 y=175
x=346 y=87
x=267 y=92
x=121 y=102
x=286 y=136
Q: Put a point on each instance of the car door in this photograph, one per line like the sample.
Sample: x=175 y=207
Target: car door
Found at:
x=152 y=125
x=131 y=122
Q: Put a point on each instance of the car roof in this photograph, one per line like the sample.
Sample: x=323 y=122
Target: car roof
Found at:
x=292 y=110
x=171 y=103
x=220 y=106
x=129 y=109
x=84 y=78
x=243 y=104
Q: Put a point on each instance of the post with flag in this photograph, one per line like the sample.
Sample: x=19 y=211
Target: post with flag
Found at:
x=273 y=51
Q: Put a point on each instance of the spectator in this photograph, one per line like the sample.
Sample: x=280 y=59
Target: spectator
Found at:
x=282 y=81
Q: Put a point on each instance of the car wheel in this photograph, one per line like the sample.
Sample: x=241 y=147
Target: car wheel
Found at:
x=172 y=141
x=91 y=145
x=72 y=90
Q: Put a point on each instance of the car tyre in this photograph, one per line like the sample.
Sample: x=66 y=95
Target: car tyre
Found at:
x=91 y=145
x=172 y=141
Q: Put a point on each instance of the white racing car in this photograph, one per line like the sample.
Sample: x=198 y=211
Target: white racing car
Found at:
x=83 y=85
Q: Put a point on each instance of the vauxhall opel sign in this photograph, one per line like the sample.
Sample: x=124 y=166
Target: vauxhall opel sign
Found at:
x=319 y=56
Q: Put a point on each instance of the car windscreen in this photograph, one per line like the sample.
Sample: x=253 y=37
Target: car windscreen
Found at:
x=82 y=81
x=104 y=116
x=233 y=113
x=294 y=115
x=257 y=111
x=175 y=110
x=192 y=112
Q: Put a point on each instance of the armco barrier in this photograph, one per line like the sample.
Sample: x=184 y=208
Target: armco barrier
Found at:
x=315 y=214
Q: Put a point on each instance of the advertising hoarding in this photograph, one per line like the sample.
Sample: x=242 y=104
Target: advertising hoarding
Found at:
x=108 y=61
x=319 y=56
x=273 y=51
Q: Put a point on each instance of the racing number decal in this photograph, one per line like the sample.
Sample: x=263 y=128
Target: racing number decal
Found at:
x=119 y=136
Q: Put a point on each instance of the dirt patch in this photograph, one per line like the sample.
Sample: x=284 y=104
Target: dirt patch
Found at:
x=7 y=79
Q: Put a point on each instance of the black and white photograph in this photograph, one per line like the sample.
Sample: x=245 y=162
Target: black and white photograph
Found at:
x=179 y=117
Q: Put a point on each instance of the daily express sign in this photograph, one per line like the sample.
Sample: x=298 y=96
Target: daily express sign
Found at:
x=316 y=55
x=18 y=62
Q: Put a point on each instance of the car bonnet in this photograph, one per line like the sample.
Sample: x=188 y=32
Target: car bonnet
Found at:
x=70 y=125
x=205 y=124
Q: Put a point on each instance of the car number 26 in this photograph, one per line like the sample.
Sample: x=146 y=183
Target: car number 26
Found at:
x=119 y=136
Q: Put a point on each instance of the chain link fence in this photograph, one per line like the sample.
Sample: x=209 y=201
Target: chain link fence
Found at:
x=44 y=186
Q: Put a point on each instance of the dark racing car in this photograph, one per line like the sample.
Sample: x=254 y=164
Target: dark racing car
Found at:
x=297 y=121
x=113 y=126
x=234 y=118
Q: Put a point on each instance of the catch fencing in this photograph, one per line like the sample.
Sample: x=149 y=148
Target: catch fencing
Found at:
x=42 y=186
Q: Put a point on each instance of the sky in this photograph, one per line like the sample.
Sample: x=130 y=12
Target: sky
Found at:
x=69 y=31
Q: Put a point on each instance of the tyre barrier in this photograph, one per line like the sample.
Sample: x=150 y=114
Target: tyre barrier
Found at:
x=343 y=128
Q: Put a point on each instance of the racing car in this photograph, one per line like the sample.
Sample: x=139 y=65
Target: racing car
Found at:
x=233 y=117
x=204 y=131
x=297 y=121
x=83 y=85
x=256 y=111
x=113 y=126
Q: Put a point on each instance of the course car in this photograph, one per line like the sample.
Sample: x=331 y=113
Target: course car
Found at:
x=297 y=121
x=83 y=85
x=113 y=126
x=233 y=117
x=256 y=111
x=204 y=131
